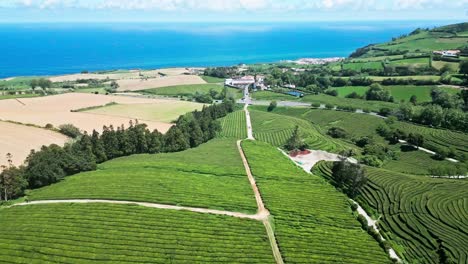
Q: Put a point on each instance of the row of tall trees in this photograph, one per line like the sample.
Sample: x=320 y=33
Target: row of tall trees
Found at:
x=52 y=163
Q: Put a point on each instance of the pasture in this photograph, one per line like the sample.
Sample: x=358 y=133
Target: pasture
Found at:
x=109 y=233
x=56 y=110
x=19 y=140
x=131 y=85
x=164 y=111
x=399 y=92
x=210 y=79
x=313 y=222
x=419 y=215
x=209 y=176
x=185 y=90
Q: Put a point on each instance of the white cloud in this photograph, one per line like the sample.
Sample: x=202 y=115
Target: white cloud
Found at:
x=235 y=5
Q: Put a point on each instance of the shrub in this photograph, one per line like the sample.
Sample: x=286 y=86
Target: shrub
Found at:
x=316 y=105
x=354 y=207
x=331 y=92
x=364 y=141
x=337 y=132
x=272 y=106
x=70 y=130
x=329 y=106
x=366 y=110
x=372 y=161
x=49 y=126
x=385 y=111
x=441 y=153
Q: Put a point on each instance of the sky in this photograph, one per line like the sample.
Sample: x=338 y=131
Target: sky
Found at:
x=40 y=11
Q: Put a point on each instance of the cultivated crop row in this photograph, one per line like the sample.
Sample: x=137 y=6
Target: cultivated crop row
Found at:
x=210 y=176
x=313 y=222
x=426 y=216
x=234 y=125
x=105 y=233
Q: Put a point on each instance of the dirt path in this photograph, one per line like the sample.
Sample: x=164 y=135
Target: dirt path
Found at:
x=371 y=222
x=261 y=208
x=426 y=150
x=259 y=216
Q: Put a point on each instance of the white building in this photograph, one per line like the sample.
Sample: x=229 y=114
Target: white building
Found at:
x=240 y=81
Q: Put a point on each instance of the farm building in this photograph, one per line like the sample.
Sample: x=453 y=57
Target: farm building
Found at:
x=447 y=53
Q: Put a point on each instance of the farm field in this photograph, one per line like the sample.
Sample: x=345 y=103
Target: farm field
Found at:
x=12 y=96
x=357 y=66
x=399 y=92
x=210 y=79
x=56 y=110
x=18 y=140
x=209 y=176
x=277 y=129
x=234 y=125
x=420 y=62
x=131 y=85
x=418 y=214
x=107 y=233
x=324 y=99
x=191 y=90
x=288 y=192
x=163 y=111
x=358 y=125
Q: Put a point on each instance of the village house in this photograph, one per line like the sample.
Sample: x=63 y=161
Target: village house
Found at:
x=447 y=53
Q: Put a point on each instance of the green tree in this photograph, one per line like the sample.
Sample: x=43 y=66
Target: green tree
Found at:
x=464 y=68
x=414 y=100
x=272 y=106
x=98 y=147
x=175 y=140
x=349 y=177
x=196 y=134
x=416 y=139
x=12 y=181
x=295 y=142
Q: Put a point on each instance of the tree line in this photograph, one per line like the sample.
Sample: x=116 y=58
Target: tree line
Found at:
x=52 y=163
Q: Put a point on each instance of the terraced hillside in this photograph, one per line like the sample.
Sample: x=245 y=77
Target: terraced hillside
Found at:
x=106 y=233
x=234 y=125
x=313 y=222
x=210 y=176
x=359 y=125
x=277 y=129
x=426 y=217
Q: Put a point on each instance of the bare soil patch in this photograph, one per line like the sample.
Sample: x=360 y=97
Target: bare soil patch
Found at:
x=19 y=140
x=56 y=110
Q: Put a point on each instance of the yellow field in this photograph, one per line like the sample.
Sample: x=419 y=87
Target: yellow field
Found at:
x=19 y=140
x=56 y=110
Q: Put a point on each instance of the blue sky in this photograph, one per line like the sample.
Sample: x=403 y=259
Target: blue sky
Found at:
x=12 y=11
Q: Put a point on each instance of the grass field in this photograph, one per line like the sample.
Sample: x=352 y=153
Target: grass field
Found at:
x=171 y=80
x=412 y=61
x=357 y=66
x=165 y=111
x=234 y=125
x=399 y=92
x=105 y=233
x=210 y=176
x=210 y=79
x=324 y=99
x=418 y=214
x=91 y=90
x=313 y=222
x=277 y=129
x=185 y=90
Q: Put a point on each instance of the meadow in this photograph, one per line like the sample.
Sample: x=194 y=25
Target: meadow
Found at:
x=126 y=85
x=185 y=90
x=164 y=111
x=424 y=218
x=209 y=176
x=313 y=222
x=399 y=92
x=210 y=79
x=325 y=99
x=109 y=233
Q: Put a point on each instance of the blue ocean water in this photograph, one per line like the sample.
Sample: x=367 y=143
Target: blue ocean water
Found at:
x=49 y=49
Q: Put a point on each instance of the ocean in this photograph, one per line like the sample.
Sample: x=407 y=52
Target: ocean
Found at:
x=51 y=49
